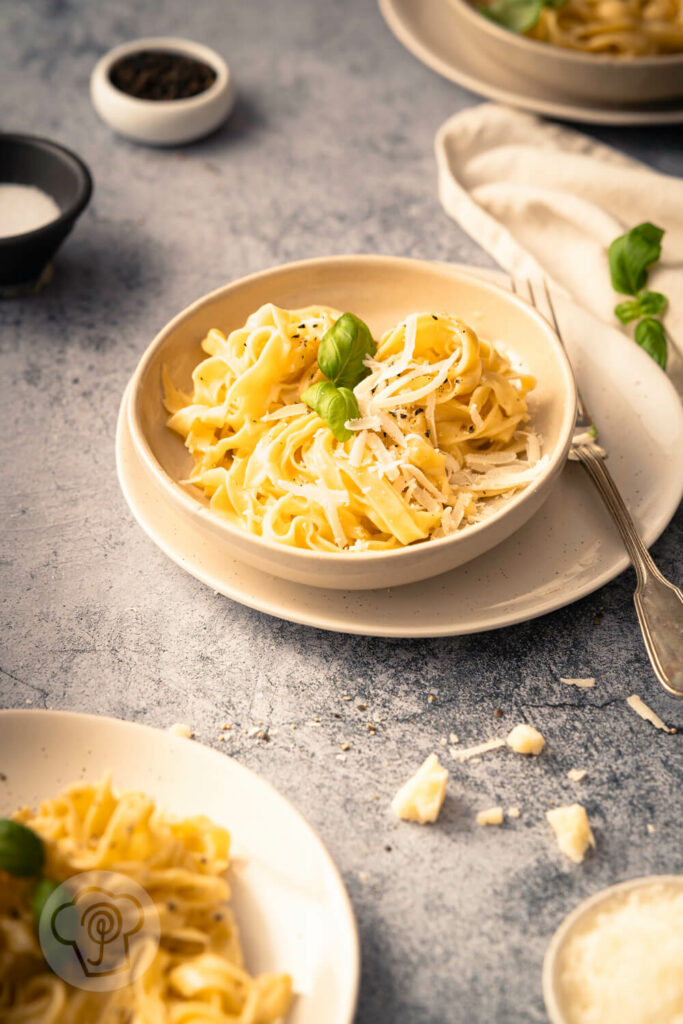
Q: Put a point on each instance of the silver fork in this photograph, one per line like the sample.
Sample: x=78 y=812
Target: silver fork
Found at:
x=659 y=604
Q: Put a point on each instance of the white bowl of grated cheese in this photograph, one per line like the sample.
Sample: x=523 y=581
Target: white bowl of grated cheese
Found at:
x=384 y=292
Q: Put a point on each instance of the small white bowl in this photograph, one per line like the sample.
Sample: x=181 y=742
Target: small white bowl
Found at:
x=590 y=76
x=163 y=122
x=557 y=1010
x=382 y=290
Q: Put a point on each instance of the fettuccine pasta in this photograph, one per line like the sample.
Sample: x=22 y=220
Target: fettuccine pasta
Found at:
x=197 y=975
x=627 y=28
x=440 y=442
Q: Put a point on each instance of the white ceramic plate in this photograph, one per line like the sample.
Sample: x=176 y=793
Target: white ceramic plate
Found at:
x=290 y=902
x=428 y=29
x=567 y=550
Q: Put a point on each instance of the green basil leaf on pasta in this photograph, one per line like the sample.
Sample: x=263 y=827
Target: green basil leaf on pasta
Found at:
x=343 y=349
x=21 y=850
x=651 y=336
x=631 y=255
x=334 y=405
x=647 y=304
x=516 y=15
x=41 y=894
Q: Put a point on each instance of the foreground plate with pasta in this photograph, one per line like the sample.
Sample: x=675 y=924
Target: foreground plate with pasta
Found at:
x=196 y=973
x=439 y=440
x=290 y=905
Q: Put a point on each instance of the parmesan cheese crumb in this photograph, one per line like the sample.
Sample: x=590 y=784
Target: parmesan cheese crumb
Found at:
x=581 y=683
x=646 y=713
x=572 y=830
x=453 y=738
x=514 y=812
x=524 y=739
x=421 y=797
x=576 y=774
x=491 y=816
x=481 y=748
x=180 y=729
x=650 y=829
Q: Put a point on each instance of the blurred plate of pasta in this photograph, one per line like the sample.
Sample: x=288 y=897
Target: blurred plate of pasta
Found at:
x=585 y=79
x=153 y=819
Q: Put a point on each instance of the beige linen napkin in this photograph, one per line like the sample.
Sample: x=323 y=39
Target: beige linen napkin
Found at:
x=544 y=200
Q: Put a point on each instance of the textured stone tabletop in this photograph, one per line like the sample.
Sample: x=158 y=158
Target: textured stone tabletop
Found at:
x=329 y=150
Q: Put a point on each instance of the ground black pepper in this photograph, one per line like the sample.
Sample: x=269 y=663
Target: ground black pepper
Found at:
x=161 y=75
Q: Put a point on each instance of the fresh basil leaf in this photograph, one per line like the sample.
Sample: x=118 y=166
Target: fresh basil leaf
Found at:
x=334 y=405
x=647 y=304
x=627 y=311
x=631 y=255
x=651 y=336
x=21 y=850
x=516 y=15
x=343 y=349
x=41 y=894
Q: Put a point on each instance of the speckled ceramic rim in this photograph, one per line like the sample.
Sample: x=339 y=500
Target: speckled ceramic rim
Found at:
x=171 y=44
x=575 y=59
x=81 y=175
x=556 y=1013
x=325 y=560
x=344 y=1011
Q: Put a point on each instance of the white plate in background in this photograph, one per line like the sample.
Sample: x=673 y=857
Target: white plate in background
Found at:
x=567 y=550
x=290 y=902
x=429 y=30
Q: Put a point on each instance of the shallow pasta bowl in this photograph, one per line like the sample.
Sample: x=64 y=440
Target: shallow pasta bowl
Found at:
x=591 y=76
x=382 y=290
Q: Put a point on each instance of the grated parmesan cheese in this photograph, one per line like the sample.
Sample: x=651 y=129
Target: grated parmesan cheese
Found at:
x=622 y=961
x=576 y=774
x=421 y=797
x=646 y=713
x=581 y=683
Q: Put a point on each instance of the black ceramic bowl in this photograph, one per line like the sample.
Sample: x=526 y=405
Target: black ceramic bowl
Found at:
x=27 y=160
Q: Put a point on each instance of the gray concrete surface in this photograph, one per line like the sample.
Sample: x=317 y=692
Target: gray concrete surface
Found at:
x=329 y=150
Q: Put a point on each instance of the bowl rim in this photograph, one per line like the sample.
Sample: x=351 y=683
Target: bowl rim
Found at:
x=192 y=505
x=533 y=46
x=172 y=44
x=556 y=1012
x=71 y=159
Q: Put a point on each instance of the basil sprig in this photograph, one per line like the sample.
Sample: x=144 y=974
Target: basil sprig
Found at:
x=516 y=15
x=341 y=358
x=631 y=256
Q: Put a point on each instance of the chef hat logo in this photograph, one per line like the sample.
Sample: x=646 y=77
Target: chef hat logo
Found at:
x=99 y=930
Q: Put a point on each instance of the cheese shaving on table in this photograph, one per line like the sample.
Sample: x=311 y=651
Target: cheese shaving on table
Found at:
x=421 y=797
x=441 y=443
x=482 y=748
x=491 y=816
x=572 y=830
x=646 y=713
x=576 y=774
x=524 y=739
x=581 y=683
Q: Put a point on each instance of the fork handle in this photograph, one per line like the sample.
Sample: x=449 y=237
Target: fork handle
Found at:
x=659 y=604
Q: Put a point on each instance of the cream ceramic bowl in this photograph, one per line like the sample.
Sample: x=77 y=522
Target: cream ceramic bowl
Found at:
x=597 y=77
x=163 y=122
x=558 y=1011
x=382 y=290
